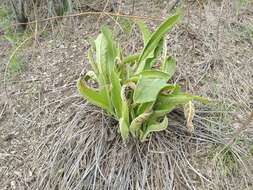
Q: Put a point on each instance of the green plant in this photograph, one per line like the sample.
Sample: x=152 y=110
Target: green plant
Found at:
x=15 y=39
x=228 y=161
x=3 y=13
x=134 y=89
x=15 y=65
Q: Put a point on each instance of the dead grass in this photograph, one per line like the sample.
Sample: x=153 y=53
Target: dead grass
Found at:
x=52 y=139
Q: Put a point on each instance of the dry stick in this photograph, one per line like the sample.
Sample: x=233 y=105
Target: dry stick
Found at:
x=118 y=12
x=2 y=112
x=36 y=23
x=92 y=13
x=102 y=13
x=133 y=6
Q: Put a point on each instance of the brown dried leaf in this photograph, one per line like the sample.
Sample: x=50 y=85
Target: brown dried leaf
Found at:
x=189 y=112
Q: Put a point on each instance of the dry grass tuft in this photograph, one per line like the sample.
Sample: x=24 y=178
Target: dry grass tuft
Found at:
x=87 y=153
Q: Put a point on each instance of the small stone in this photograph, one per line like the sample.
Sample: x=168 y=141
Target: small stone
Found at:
x=9 y=137
x=13 y=184
x=30 y=173
x=18 y=173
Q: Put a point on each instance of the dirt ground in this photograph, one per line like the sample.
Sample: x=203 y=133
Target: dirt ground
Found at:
x=50 y=138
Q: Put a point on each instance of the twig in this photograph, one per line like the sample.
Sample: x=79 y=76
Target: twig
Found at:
x=92 y=13
x=7 y=65
x=102 y=13
x=2 y=112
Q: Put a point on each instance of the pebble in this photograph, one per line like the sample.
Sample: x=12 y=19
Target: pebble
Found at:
x=13 y=184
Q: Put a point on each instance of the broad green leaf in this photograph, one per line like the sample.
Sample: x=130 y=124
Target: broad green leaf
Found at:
x=165 y=101
x=111 y=48
x=169 y=67
x=137 y=122
x=125 y=112
x=165 y=110
x=152 y=74
x=101 y=58
x=147 y=89
x=155 y=39
x=162 y=108
x=165 y=49
x=155 y=127
x=116 y=93
x=150 y=60
x=144 y=30
x=152 y=57
x=123 y=127
x=98 y=98
x=106 y=52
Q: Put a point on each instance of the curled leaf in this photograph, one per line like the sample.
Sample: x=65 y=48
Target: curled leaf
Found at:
x=90 y=75
x=124 y=120
x=155 y=127
x=137 y=123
